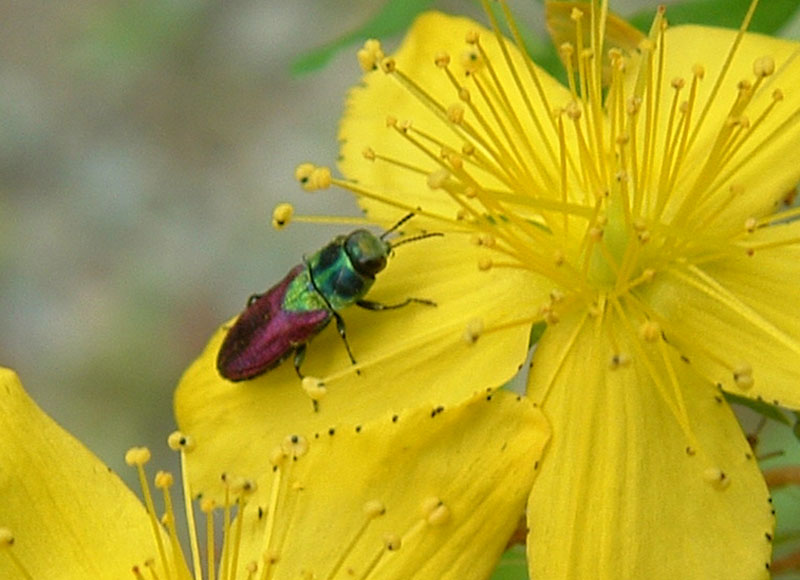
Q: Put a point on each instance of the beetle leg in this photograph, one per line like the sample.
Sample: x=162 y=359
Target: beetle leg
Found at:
x=340 y=327
x=370 y=305
x=253 y=298
x=299 y=355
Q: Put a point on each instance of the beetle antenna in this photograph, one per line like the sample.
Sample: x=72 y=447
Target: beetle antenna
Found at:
x=415 y=238
x=403 y=220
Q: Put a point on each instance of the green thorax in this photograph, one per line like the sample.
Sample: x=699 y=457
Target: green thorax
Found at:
x=335 y=278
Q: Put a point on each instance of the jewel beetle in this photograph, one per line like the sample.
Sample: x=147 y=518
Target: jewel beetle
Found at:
x=283 y=320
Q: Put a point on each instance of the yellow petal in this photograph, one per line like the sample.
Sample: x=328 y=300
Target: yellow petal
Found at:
x=409 y=357
x=754 y=175
x=364 y=123
x=70 y=515
x=736 y=319
x=647 y=474
x=446 y=488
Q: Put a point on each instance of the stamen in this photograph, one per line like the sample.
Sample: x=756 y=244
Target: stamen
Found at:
x=473 y=331
x=724 y=71
x=312 y=177
x=207 y=506
x=743 y=376
x=177 y=441
x=138 y=457
x=282 y=215
x=372 y=510
x=243 y=489
x=717 y=478
x=370 y=55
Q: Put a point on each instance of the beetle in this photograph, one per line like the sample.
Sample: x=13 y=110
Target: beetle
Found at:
x=283 y=320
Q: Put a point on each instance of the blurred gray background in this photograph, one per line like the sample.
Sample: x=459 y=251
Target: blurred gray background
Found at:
x=143 y=146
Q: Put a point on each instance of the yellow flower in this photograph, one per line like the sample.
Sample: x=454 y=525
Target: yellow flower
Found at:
x=394 y=498
x=639 y=215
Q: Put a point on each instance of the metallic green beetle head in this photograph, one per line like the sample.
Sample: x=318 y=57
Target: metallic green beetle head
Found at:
x=367 y=252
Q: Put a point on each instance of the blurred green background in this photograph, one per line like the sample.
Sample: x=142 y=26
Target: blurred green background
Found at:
x=143 y=146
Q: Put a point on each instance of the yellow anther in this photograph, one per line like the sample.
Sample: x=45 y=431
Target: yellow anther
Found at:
x=282 y=215
x=556 y=296
x=683 y=107
x=487 y=240
x=463 y=94
x=699 y=71
x=559 y=258
x=576 y=14
x=468 y=149
x=573 y=111
x=595 y=233
x=619 y=360
x=750 y=225
x=312 y=177
x=717 y=478
x=549 y=315
x=566 y=49
x=678 y=83
x=485 y=263
x=207 y=505
x=391 y=121
x=137 y=456
x=650 y=331
x=455 y=113
x=764 y=66
x=178 y=440
x=743 y=376
x=294 y=446
x=164 y=480
x=392 y=542
x=471 y=61
x=777 y=95
x=438 y=178
x=314 y=388
x=472 y=36
x=442 y=59
x=429 y=504
x=388 y=65
x=303 y=171
x=6 y=538
x=368 y=153
x=439 y=516
x=633 y=105
x=370 y=55
x=243 y=486
x=473 y=331
x=455 y=160
x=277 y=456
x=374 y=509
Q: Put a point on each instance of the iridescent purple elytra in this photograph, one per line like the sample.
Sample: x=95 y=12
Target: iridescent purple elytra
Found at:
x=283 y=320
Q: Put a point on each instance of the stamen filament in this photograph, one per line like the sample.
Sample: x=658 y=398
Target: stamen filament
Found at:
x=724 y=71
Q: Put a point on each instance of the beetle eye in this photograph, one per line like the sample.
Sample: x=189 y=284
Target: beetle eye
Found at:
x=367 y=253
x=370 y=266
